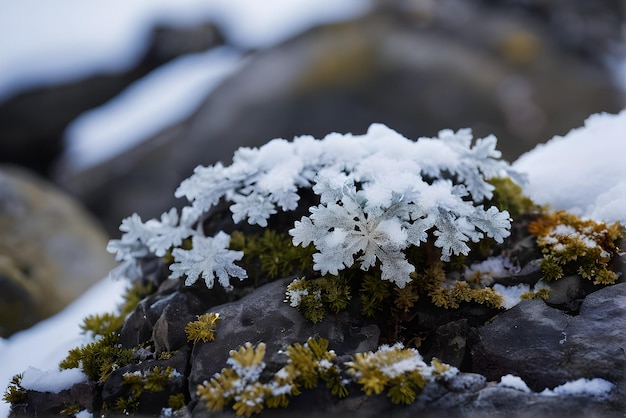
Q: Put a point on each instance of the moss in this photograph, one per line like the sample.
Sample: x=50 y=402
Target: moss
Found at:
x=272 y=254
x=14 y=392
x=248 y=388
x=99 y=358
x=572 y=245
x=138 y=382
x=70 y=410
x=508 y=196
x=203 y=329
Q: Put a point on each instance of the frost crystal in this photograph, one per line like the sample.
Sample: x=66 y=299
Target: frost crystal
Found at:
x=379 y=193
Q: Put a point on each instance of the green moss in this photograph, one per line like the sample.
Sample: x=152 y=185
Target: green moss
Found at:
x=272 y=254
x=70 y=410
x=99 y=358
x=508 y=196
x=176 y=402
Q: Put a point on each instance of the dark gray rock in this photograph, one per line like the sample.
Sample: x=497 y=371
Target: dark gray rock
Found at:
x=264 y=316
x=547 y=348
x=526 y=341
x=450 y=343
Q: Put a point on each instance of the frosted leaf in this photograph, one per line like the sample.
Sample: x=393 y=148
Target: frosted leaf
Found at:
x=209 y=258
x=452 y=235
x=494 y=223
x=166 y=233
x=127 y=270
x=255 y=207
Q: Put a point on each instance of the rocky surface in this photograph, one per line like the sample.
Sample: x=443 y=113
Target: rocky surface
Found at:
x=416 y=66
x=51 y=249
x=541 y=344
x=545 y=343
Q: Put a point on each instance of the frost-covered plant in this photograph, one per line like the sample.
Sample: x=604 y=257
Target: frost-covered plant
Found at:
x=379 y=194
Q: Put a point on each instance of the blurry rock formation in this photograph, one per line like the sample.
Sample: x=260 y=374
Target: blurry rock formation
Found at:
x=51 y=250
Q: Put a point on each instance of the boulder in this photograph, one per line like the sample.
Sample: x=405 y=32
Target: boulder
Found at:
x=51 y=249
x=546 y=347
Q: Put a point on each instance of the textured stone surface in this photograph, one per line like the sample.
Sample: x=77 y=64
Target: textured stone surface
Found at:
x=547 y=348
x=51 y=249
x=263 y=316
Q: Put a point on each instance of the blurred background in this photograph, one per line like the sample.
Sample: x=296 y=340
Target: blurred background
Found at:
x=106 y=106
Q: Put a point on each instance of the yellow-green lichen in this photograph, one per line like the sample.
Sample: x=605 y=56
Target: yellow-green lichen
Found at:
x=14 y=392
x=203 y=329
x=573 y=245
x=248 y=388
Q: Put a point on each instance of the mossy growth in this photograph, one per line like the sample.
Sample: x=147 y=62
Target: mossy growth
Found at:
x=398 y=370
x=271 y=255
x=248 y=388
x=507 y=195
x=541 y=294
x=203 y=329
x=100 y=357
x=572 y=245
x=240 y=385
x=14 y=392
x=139 y=381
x=449 y=294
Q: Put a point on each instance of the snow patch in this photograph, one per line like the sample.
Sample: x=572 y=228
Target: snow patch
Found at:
x=51 y=381
x=582 y=172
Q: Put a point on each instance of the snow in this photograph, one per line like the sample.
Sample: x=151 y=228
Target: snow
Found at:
x=581 y=387
x=44 y=345
x=161 y=99
x=51 y=381
x=110 y=36
x=514 y=382
x=583 y=171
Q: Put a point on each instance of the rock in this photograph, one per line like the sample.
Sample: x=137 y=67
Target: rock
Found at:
x=450 y=343
x=418 y=72
x=36 y=119
x=525 y=341
x=51 y=250
x=263 y=316
x=547 y=348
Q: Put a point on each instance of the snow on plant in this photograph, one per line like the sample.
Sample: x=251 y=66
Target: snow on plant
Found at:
x=379 y=193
